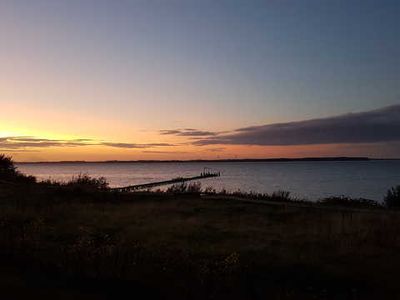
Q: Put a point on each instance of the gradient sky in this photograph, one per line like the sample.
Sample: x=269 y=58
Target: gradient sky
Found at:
x=119 y=79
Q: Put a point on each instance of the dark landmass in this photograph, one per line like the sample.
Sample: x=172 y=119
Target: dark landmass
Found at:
x=216 y=160
x=72 y=242
x=81 y=240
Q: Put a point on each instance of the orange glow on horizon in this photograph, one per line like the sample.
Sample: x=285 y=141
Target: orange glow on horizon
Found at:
x=101 y=153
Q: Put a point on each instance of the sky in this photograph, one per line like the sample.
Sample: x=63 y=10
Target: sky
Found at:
x=191 y=79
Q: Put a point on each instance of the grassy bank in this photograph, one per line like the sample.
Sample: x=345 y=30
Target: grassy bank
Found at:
x=81 y=241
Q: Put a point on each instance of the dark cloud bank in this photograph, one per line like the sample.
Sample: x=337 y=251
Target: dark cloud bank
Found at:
x=376 y=126
x=188 y=132
x=136 y=146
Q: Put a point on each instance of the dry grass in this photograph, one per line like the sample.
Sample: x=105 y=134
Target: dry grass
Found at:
x=186 y=246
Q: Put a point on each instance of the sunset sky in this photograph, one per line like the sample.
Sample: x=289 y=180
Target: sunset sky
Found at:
x=198 y=79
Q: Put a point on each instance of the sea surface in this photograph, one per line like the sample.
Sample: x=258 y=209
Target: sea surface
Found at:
x=304 y=179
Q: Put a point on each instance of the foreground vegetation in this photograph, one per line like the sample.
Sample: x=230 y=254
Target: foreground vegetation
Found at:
x=79 y=240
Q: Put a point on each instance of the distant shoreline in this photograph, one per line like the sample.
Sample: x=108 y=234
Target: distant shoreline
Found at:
x=306 y=159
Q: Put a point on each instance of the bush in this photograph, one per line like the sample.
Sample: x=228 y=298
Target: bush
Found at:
x=179 y=188
x=9 y=172
x=7 y=166
x=194 y=187
x=281 y=196
x=349 y=202
x=209 y=190
x=392 y=198
x=85 y=182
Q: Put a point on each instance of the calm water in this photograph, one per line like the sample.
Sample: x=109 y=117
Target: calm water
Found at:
x=313 y=180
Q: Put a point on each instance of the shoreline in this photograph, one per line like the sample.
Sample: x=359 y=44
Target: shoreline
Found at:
x=283 y=159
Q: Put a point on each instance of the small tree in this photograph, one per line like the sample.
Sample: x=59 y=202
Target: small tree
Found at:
x=392 y=198
x=9 y=172
x=7 y=167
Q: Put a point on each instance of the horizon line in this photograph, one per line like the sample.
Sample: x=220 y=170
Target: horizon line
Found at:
x=280 y=159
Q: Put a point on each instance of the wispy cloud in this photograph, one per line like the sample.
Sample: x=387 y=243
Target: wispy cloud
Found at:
x=163 y=152
x=381 y=125
x=136 y=146
x=22 y=142
x=188 y=132
x=217 y=149
x=18 y=150
x=13 y=143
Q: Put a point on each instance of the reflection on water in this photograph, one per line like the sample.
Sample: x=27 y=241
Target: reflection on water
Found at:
x=368 y=179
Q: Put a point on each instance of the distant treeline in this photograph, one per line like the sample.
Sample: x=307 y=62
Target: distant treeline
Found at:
x=344 y=158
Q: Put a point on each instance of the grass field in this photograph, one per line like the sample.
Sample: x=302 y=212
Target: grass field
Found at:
x=75 y=243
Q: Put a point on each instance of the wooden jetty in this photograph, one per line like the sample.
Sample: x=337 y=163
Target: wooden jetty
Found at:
x=205 y=174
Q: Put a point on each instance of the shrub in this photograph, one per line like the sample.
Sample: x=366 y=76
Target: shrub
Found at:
x=7 y=166
x=194 y=187
x=349 y=202
x=281 y=196
x=9 y=172
x=84 y=181
x=209 y=190
x=392 y=198
x=179 y=188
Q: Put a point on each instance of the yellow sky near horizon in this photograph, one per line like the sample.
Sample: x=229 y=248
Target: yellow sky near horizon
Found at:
x=78 y=136
x=188 y=152
x=45 y=124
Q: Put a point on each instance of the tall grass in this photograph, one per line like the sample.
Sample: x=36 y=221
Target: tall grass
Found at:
x=179 y=188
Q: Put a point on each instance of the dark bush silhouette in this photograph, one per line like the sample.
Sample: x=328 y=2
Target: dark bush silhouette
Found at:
x=349 y=202
x=281 y=196
x=85 y=182
x=209 y=190
x=191 y=188
x=7 y=167
x=194 y=187
x=392 y=198
x=9 y=172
